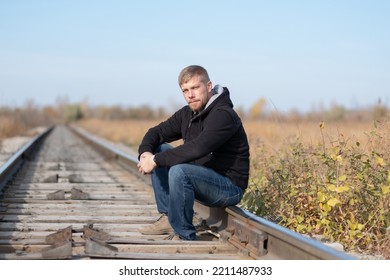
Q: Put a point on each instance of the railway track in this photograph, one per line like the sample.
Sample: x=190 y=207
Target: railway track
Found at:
x=70 y=195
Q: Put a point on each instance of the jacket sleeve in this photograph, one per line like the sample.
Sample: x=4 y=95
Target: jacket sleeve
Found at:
x=221 y=125
x=165 y=132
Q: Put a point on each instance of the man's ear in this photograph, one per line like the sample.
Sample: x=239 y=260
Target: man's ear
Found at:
x=209 y=86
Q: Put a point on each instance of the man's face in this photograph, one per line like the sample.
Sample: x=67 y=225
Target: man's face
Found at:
x=197 y=93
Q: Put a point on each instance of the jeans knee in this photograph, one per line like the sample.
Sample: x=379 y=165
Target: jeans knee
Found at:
x=177 y=176
x=176 y=172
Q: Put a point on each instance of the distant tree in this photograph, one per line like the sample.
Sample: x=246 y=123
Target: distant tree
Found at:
x=258 y=109
x=73 y=113
x=335 y=113
x=379 y=111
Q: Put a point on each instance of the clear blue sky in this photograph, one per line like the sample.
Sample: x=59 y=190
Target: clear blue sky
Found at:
x=295 y=54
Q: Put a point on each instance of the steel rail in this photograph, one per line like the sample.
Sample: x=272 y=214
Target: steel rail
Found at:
x=255 y=236
x=284 y=243
x=9 y=168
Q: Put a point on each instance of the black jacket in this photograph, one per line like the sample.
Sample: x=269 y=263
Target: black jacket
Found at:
x=214 y=138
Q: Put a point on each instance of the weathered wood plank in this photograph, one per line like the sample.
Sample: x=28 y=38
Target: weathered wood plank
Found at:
x=71 y=218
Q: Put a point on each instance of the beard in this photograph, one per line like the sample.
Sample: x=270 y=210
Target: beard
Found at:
x=197 y=106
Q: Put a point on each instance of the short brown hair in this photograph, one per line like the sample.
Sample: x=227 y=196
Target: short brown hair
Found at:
x=193 y=70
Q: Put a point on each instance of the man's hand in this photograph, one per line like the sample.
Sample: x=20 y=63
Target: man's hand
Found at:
x=146 y=163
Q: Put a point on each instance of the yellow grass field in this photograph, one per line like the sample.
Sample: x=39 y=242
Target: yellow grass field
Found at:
x=272 y=134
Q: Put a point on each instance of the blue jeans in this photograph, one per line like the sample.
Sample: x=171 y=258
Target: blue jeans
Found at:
x=177 y=187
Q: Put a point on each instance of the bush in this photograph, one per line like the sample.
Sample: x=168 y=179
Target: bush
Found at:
x=338 y=190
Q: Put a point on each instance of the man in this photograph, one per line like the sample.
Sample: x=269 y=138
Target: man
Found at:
x=212 y=164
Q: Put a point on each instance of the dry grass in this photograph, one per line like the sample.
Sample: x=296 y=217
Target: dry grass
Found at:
x=129 y=132
x=298 y=171
x=272 y=134
x=9 y=127
x=23 y=122
x=276 y=134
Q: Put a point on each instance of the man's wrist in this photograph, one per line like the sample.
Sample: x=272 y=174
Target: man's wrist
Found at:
x=154 y=159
